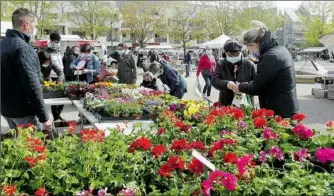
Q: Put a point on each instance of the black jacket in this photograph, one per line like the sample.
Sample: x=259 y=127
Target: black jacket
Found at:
x=275 y=81
x=21 y=91
x=225 y=72
x=151 y=85
x=68 y=58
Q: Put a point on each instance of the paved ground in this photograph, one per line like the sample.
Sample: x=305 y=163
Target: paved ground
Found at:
x=318 y=111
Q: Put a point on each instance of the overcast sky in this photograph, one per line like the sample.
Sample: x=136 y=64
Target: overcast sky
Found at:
x=288 y=4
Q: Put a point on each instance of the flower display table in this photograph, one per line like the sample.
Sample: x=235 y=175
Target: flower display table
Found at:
x=126 y=127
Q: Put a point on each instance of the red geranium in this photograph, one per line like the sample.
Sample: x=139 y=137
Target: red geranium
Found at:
x=299 y=117
x=270 y=113
x=40 y=192
x=186 y=128
x=92 y=135
x=178 y=124
x=243 y=164
x=197 y=145
x=219 y=145
x=161 y=131
x=72 y=126
x=230 y=157
x=260 y=123
x=237 y=113
x=302 y=131
x=196 y=166
x=31 y=160
x=166 y=170
x=259 y=113
x=9 y=189
x=330 y=125
x=180 y=145
x=141 y=143
x=176 y=162
x=158 y=150
x=278 y=119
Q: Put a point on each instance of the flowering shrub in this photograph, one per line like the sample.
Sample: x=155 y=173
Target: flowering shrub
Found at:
x=266 y=157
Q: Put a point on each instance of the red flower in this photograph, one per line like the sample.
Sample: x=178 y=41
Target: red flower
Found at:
x=161 y=131
x=219 y=145
x=299 y=117
x=270 y=113
x=176 y=162
x=196 y=166
x=268 y=134
x=166 y=170
x=31 y=160
x=230 y=157
x=9 y=189
x=259 y=113
x=330 y=124
x=302 y=131
x=158 y=150
x=180 y=145
x=92 y=135
x=40 y=192
x=141 y=143
x=20 y=126
x=278 y=119
x=244 y=163
x=178 y=124
x=217 y=104
x=41 y=156
x=210 y=120
x=237 y=113
x=72 y=126
x=40 y=149
x=197 y=145
x=186 y=128
x=260 y=123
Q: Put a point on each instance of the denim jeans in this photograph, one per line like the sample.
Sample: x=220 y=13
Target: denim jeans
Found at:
x=13 y=122
x=207 y=87
x=187 y=69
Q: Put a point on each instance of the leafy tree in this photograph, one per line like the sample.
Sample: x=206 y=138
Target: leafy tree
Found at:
x=92 y=17
x=187 y=23
x=315 y=15
x=143 y=19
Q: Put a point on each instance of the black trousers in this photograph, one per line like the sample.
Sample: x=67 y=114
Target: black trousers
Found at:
x=56 y=109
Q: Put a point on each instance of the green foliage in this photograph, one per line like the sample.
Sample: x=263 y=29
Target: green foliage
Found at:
x=143 y=19
x=92 y=17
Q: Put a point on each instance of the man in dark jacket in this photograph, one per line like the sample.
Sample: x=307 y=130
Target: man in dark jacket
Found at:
x=127 y=69
x=68 y=58
x=275 y=81
x=21 y=92
x=169 y=76
x=154 y=56
x=234 y=68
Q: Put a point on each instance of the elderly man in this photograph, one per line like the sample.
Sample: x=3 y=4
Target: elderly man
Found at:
x=169 y=76
x=21 y=91
x=127 y=69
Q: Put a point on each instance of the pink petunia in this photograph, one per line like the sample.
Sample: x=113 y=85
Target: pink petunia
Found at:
x=276 y=152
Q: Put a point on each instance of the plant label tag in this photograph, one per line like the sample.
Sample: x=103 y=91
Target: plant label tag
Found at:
x=203 y=160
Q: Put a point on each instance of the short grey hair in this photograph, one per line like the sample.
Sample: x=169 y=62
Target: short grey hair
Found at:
x=22 y=15
x=154 y=67
x=148 y=74
x=255 y=33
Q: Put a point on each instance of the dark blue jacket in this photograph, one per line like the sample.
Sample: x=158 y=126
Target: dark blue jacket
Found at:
x=188 y=58
x=21 y=90
x=173 y=80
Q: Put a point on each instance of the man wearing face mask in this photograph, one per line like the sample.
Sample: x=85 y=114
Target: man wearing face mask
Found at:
x=56 y=61
x=127 y=69
x=21 y=91
x=234 y=68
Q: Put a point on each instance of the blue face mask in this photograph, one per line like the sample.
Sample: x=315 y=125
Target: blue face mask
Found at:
x=233 y=60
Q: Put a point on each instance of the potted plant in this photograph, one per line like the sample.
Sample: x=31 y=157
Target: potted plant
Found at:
x=126 y=110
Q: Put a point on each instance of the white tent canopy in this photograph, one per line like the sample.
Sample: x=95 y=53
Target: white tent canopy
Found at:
x=164 y=46
x=216 y=43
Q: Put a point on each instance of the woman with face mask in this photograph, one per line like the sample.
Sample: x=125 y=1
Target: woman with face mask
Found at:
x=206 y=66
x=87 y=63
x=275 y=80
x=232 y=69
x=126 y=66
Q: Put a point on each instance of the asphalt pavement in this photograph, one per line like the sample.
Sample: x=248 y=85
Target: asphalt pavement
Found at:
x=318 y=111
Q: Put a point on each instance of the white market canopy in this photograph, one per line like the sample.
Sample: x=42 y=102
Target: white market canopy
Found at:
x=165 y=46
x=215 y=43
x=313 y=49
x=5 y=26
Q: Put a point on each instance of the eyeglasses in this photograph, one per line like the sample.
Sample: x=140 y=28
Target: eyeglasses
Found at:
x=235 y=54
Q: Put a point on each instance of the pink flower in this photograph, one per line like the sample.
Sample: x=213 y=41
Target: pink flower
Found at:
x=302 y=131
x=229 y=181
x=301 y=155
x=263 y=156
x=269 y=135
x=276 y=152
x=325 y=155
x=244 y=163
x=206 y=186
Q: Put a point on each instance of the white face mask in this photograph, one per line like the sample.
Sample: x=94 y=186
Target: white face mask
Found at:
x=45 y=65
x=233 y=59
x=209 y=52
x=120 y=52
x=55 y=46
